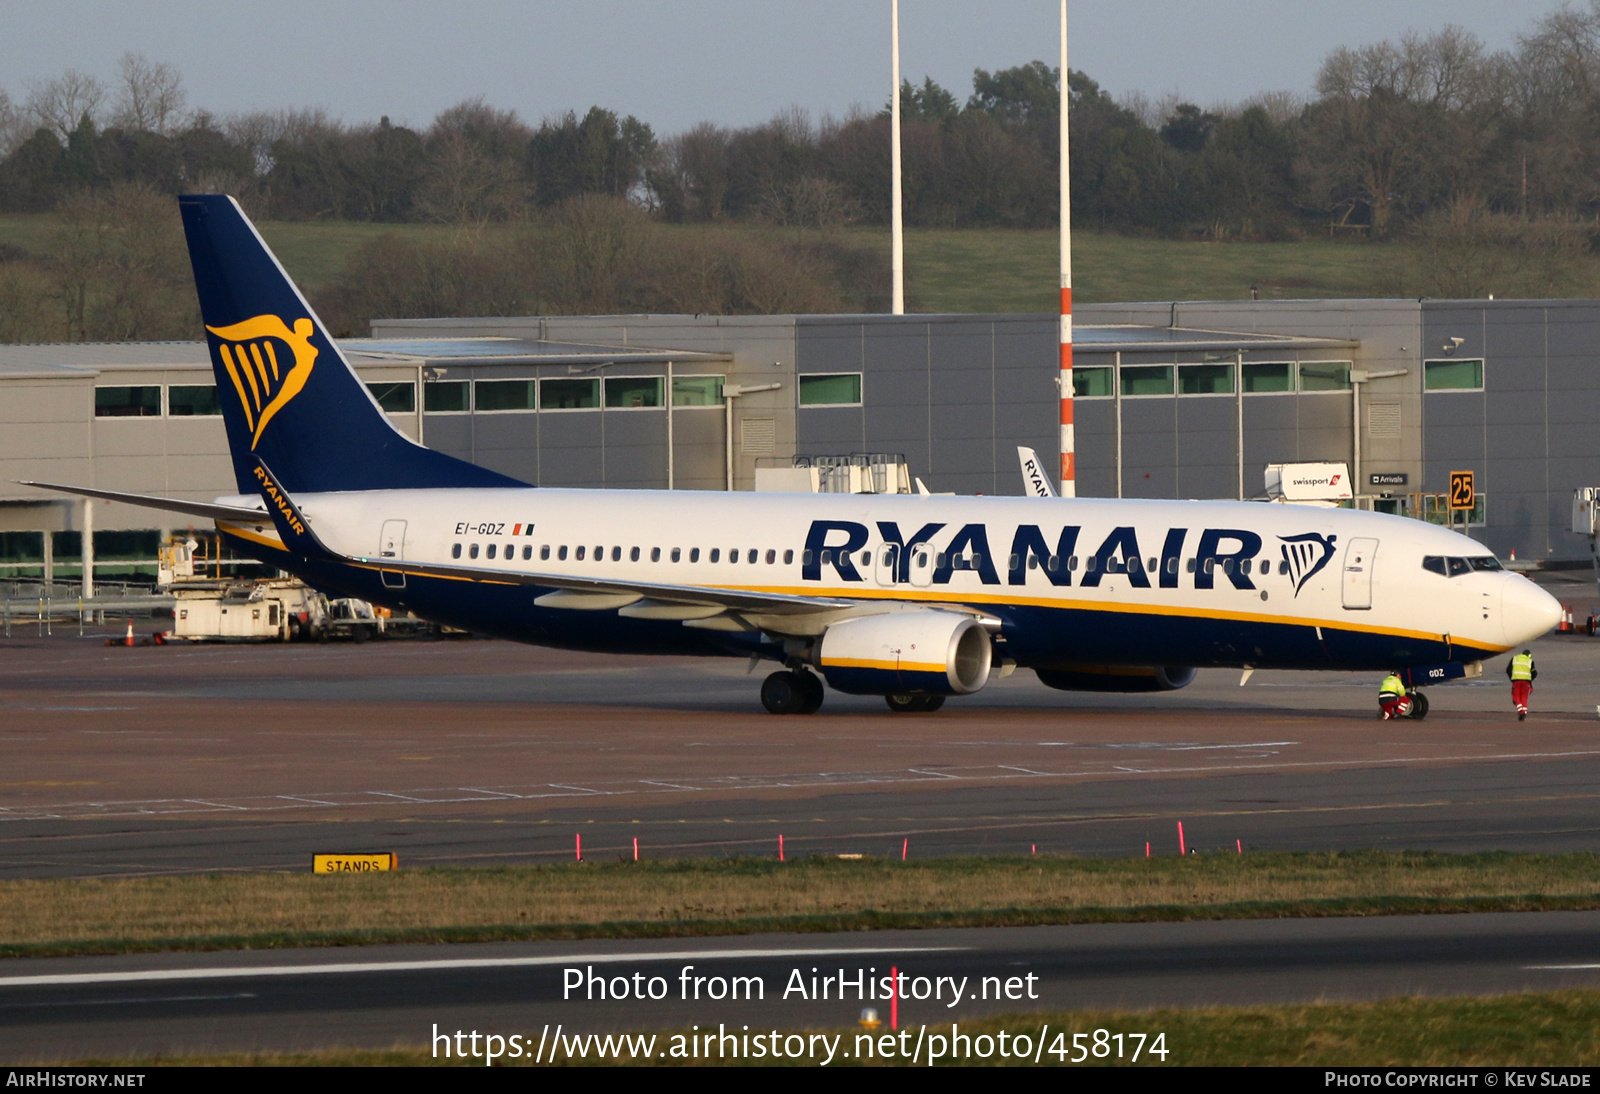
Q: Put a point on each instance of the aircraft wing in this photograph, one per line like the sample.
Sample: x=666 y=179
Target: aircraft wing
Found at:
x=172 y=505
x=1035 y=483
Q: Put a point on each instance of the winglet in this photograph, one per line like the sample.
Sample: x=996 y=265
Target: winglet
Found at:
x=293 y=527
x=1035 y=483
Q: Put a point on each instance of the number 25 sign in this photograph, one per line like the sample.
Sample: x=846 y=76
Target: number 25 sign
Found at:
x=1463 y=495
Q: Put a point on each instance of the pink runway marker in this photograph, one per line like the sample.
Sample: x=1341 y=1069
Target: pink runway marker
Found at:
x=780 y=846
x=894 y=997
x=579 y=847
x=1181 y=849
x=904 y=847
x=635 y=848
x=1146 y=848
x=1239 y=843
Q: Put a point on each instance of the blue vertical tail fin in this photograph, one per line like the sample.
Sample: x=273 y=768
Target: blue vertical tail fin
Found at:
x=289 y=398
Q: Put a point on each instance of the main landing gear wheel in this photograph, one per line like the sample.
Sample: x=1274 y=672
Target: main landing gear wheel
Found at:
x=813 y=693
x=914 y=704
x=791 y=693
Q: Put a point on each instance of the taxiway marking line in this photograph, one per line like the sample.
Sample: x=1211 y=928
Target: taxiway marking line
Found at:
x=246 y=971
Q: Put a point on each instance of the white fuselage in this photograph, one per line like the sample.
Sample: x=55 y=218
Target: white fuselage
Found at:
x=1115 y=581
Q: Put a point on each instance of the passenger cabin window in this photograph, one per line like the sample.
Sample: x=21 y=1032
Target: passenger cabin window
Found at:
x=490 y=553
x=716 y=554
x=562 y=553
x=455 y=552
x=527 y=553
x=772 y=556
x=578 y=554
x=694 y=554
x=544 y=552
x=655 y=554
x=677 y=553
x=788 y=558
x=472 y=552
x=616 y=554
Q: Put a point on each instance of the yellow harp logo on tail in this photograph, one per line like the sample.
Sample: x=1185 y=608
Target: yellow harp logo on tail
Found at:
x=265 y=384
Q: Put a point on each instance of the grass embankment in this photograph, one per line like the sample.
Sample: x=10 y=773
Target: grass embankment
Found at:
x=1545 y=1029
x=748 y=896
x=947 y=270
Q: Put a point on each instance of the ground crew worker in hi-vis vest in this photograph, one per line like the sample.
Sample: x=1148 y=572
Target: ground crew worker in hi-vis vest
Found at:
x=1522 y=673
x=1391 y=693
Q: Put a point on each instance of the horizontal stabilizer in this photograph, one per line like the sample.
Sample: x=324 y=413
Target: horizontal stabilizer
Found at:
x=209 y=510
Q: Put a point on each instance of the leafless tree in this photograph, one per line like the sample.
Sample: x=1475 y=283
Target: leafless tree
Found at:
x=465 y=185
x=149 y=95
x=59 y=104
x=13 y=125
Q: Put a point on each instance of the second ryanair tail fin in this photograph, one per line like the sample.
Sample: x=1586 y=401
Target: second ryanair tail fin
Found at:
x=289 y=398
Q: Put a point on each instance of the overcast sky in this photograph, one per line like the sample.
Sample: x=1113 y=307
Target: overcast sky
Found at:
x=677 y=62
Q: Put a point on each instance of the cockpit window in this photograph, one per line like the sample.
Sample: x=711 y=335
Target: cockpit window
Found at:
x=1434 y=564
x=1484 y=562
x=1458 y=566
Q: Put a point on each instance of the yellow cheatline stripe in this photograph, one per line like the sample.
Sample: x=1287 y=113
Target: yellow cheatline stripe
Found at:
x=920 y=593
x=887 y=666
x=235 y=530
x=984 y=598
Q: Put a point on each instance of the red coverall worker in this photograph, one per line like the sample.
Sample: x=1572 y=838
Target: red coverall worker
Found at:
x=1391 y=693
x=1522 y=673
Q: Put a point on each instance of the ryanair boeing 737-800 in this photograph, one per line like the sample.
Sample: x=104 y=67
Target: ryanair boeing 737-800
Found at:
x=913 y=597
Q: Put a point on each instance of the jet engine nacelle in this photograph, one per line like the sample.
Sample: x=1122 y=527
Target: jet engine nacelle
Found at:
x=926 y=652
x=1117 y=677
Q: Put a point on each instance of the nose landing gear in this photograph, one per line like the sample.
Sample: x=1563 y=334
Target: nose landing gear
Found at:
x=793 y=691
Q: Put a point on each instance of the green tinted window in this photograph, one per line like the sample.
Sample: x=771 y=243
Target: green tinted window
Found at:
x=1452 y=375
x=505 y=394
x=1147 y=380
x=193 y=401
x=697 y=391
x=1270 y=376
x=445 y=397
x=1091 y=383
x=633 y=391
x=1325 y=376
x=842 y=389
x=568 y=394
x=127 y=402
x=395 y=398
x=1205 y=379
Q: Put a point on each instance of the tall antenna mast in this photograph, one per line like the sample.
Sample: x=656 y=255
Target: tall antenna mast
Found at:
x=1069 y=472
x=897 y=256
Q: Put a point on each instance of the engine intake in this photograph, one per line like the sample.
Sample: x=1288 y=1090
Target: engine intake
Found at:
x=926 y=652
x=1125 y=678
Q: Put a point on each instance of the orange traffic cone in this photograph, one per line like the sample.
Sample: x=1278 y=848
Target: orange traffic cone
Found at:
x=129 y=640
x=1565 y=626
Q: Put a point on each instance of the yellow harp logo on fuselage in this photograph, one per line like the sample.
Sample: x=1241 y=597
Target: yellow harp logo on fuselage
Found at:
x=264 y=384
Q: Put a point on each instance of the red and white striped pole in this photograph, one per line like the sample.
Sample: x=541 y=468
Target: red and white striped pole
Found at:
x=1069 y=444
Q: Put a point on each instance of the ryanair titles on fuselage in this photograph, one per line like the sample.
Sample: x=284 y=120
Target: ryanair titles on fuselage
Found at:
x=1225 y=551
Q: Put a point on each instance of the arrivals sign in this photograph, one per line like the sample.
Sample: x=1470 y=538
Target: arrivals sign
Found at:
x=1388 y=478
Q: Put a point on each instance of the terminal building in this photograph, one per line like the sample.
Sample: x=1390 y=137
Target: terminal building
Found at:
x=1173 y=400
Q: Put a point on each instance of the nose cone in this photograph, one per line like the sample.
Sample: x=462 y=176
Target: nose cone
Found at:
x=1528 y=611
